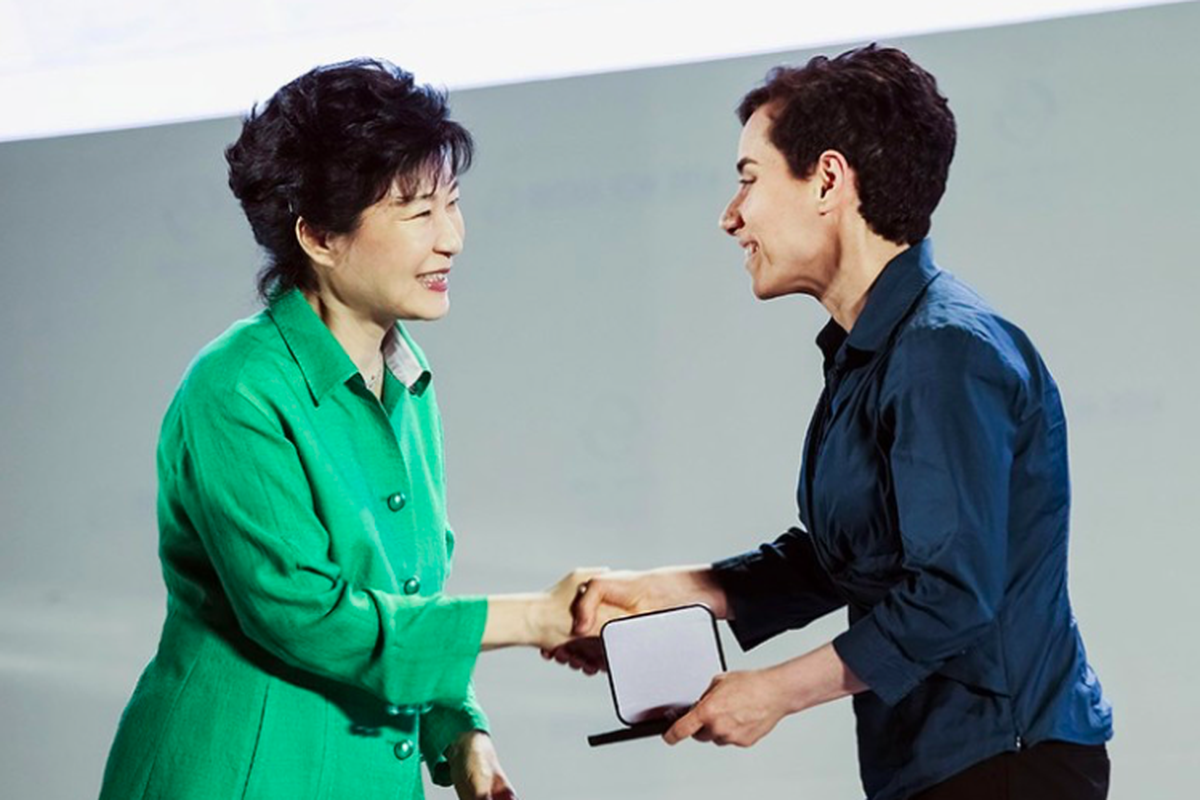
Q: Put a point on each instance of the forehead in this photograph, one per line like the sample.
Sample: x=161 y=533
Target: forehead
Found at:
x=423 y=181
x=755 y=142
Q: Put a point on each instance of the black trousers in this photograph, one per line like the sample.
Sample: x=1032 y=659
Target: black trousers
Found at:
x=1045 y=771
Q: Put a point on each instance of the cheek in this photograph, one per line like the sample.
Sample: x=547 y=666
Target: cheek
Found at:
x=762 y=216
x=400 y=256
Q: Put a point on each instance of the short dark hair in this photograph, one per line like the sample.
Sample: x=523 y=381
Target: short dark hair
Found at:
x=881 y=111
x=328 y=145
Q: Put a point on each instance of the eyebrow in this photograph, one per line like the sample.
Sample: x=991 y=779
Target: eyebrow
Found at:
x=400 y=200
x=741 y=164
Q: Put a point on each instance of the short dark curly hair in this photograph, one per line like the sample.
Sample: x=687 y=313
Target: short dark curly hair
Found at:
x=881 y=111
x=328 y=145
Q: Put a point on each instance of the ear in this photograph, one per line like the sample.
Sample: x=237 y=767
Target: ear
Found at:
x=317 y=244
x=835 y=179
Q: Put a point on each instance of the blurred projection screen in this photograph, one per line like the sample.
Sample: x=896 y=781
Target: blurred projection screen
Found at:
x=72 y=66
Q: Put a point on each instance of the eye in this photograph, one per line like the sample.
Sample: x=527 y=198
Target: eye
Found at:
x=422 y=214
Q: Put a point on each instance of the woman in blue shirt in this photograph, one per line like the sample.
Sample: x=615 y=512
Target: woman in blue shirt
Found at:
x=934 y=490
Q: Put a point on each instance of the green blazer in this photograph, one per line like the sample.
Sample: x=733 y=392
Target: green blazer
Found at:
x=308 y=651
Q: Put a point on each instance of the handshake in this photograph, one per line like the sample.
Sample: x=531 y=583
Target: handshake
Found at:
x=569 y=615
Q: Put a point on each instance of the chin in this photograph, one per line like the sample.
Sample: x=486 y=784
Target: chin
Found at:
x=436 y=312
x=765 y=292
x=424 y=313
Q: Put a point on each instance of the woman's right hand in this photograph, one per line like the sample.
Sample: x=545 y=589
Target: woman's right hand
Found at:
x=608 y=595
x=542 y=619
x=586 y=598
x=639 y=592
x=557 y=620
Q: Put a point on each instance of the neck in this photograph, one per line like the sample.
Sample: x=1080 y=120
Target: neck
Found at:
x=359 y=336
x=861 y=256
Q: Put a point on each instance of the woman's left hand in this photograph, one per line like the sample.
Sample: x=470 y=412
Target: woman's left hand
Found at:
x=475 y=769
x=742 y=707
x=739 y=708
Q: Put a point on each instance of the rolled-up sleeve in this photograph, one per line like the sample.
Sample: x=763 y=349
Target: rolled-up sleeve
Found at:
x=241 y=483
x=951 y=399
x=779 y=586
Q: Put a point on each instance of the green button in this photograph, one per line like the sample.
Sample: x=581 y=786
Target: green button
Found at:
x=412 y=586
x=403 y=749
x=396 y=501
x=394 y=710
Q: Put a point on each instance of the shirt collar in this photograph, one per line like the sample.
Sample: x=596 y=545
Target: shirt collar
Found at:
x=830 y=341
x=901 y=283
x=323 y=362
x=405 y=360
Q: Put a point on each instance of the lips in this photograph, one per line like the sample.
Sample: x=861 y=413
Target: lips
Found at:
x=750 y=249
x=438 y=281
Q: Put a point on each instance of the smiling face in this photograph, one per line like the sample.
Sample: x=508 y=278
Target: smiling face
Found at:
x=396 y=263
x=782 y=222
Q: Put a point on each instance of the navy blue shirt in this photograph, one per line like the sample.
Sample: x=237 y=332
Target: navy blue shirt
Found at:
x=934 y=499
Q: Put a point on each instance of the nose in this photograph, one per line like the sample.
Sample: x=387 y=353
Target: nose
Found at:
x=450 y=235
x=731 y=218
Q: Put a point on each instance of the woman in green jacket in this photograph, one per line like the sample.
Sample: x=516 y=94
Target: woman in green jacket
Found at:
x=308 y=651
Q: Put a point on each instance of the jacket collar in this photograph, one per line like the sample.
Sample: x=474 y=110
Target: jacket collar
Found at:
x=323 y=362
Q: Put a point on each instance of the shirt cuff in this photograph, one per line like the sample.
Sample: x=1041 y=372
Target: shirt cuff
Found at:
x=752 y=620
x=440 y=727
x=878 y=662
